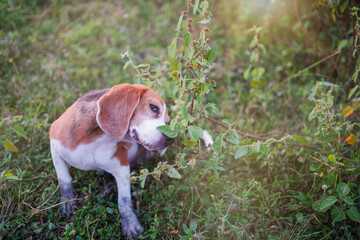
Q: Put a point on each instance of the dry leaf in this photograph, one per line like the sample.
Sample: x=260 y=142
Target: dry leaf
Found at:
x=348 y=111
x=351 y=140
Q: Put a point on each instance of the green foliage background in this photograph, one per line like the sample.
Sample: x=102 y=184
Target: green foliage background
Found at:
x=285 y=73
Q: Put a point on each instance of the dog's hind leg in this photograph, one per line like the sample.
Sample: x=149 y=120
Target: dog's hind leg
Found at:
x=66 y=189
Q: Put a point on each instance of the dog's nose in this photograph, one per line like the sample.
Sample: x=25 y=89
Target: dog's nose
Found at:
x=168 y=140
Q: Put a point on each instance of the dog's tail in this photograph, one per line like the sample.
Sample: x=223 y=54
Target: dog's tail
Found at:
x=208 y=140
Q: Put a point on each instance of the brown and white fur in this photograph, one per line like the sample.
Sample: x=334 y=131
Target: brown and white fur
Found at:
x=109 y=130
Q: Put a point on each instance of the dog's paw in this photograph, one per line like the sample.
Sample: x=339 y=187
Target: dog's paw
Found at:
x=68 y=204
x=130 y=225
x=67 y=198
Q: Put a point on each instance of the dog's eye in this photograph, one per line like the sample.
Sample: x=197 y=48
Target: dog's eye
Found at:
x=154 y=108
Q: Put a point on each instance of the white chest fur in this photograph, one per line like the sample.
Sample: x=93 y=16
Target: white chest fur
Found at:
x=97 y=155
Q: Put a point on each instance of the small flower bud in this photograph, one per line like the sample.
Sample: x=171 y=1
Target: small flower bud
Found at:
x=156 y=176
x=132 y=180
x=188 y=65
x=194 y=42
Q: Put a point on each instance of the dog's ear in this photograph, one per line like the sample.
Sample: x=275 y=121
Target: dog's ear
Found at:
x=116 y=108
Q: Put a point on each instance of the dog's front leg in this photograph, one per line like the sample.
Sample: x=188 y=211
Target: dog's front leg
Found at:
x=65 y=182
x=130 y=223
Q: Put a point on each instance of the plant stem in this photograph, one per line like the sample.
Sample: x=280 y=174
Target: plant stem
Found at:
x=244 y=135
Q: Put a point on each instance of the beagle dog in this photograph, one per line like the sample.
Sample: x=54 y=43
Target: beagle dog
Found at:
x=109 y=130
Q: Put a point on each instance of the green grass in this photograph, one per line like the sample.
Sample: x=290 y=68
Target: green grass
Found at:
x=51 y=52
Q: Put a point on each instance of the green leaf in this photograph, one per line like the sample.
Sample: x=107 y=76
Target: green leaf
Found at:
x=227 y=122
x=179 y=23
x=202 y=38
x=173 y=173
x=262 y=47
x=300 y=139
x=329 y=84
x=10 y=146
x=331 y=179
x=313 y=92
x=313 y=114
x=217 y=145
x=20 y=130
x=344 y=6
x=357 y=69
x=299 y=216
x=196 y=5
x=241 y=152
x=110 y=210
x=353 y=214
x=126 y=65
x=349 y=201
x=342 y=44
x=174 y=91
x=172 y=48
x=330 y=2
x=352 y=91
x=254 y=57
x=332 y=158
x=213 y=108
x=332 y=13
x=12 y=177
x=245 y=193
x=186 y=115
x=323 y=205
x=313 y=167
x=343 y=189
x=189 y=52
x=253 y=42
x=204 y=6
x=258 y=72
x=201 y=63
x=187 y=39
x=144 y=173
x=172 y=133
x=210 y=56
x=195 y=133
x=337 y=215
x=247 y=73
x=219 y=168
x=330 y=100
x=189 y=143
x=39 y=230
x=257 y=146
x=143 y=65
x=233 y=138
x=52 y=226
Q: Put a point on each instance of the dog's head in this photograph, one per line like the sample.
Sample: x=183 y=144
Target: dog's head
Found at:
x=135 y=110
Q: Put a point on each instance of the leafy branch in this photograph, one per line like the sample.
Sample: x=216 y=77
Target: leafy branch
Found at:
x=245 y=135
